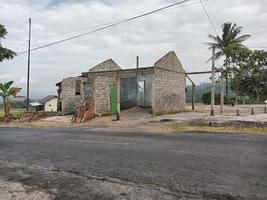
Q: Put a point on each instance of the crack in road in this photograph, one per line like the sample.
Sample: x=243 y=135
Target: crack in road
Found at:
x=183 y=194
x=21 y=173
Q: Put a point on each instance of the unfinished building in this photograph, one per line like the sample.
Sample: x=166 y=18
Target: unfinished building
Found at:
x=160 y=87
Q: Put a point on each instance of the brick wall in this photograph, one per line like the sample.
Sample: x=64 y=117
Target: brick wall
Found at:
x=102 y=92
x=169 y=85
x=69 y=100
x=107 y=65
x=103 y=80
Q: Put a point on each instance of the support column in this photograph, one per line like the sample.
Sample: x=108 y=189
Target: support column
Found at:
x=137 y=87
x=118 y=98
x=193 y=96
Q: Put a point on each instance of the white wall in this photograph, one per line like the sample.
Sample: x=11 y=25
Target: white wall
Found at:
x=51 y=105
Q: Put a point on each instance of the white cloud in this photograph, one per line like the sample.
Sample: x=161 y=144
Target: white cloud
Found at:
x=183 y=29
x=5 y=77
x=23 y=80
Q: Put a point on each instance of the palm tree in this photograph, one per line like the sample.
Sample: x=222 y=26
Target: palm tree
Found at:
x=5 y=92
x=230 y=36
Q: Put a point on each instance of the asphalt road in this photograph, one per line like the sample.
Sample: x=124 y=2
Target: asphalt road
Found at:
x=93 y=164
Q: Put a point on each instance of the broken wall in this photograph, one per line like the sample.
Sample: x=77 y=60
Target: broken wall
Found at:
x=70 y=101
x=169 y=85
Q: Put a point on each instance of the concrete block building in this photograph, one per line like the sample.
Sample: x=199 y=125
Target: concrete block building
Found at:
x=160 y=87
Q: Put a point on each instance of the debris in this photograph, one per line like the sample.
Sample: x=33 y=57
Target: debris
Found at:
x=85 y=112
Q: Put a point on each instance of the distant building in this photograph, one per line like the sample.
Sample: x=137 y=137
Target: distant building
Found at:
x=47 y=104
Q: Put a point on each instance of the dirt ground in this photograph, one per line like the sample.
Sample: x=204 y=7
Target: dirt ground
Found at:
x=137 y=119
x=16 y=191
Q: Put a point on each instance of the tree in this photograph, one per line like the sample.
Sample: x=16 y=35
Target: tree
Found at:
x=206 y=98
x=249 y=73
x=4 y=52
x=253 y=76
x=230 y=35
x=5 y=92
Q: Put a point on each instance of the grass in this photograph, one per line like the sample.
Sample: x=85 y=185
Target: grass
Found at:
x=14 y=111
x=213 y=129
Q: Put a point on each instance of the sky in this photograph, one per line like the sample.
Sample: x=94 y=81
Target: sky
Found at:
x=183 y=29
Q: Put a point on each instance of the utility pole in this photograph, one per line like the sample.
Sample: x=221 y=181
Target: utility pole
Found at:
x=28 y=70
x=212 y=83
x=222 y=93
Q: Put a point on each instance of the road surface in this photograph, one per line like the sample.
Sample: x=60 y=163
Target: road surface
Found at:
x=94 y=164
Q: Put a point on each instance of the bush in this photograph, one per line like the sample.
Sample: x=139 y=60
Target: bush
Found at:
x=207 y=96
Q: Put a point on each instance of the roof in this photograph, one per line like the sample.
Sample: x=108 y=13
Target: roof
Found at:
x=35 y=104
x=49 y=97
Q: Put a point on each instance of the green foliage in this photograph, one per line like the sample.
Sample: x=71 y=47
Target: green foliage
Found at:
x=249 y=72
x=5 y=92
x=4 y=52
x=230 y=35
x=201 y=89
x=206 y=98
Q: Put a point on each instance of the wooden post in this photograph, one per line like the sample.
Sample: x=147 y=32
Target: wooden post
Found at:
x=193 y=96
x=212 y=83
x=237 y=113
x=118 y=97
x=222 y=94
x=137 y=86
x=265 y=110
x=252 y=111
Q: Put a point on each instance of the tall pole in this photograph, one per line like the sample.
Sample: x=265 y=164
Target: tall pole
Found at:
x=193 y=96
x=137 y=87
x=118 y=97
x=28 y=70
x=222 y=93
x=212 y=83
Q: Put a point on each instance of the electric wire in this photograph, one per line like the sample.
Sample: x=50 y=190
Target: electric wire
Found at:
x=96 y=26
x=107 y=26
x=210 y=20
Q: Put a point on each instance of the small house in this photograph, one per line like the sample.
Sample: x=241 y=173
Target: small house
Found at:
x=47 y=104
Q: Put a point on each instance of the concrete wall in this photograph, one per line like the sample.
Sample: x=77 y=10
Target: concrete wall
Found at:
x=102 y=92
x=169 y=85
x=51 y=105
x=107 y=65
x=69 y=100
x=103 y=80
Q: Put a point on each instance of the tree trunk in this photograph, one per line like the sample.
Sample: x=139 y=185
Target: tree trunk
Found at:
x=6 y=106
x=258 y=99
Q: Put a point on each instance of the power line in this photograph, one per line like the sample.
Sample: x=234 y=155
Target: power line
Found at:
x=99 y=25
x=209 y=17
x=16 y=29
x=107 y=26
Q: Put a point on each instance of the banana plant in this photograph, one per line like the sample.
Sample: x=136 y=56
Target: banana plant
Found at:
x=5 y=92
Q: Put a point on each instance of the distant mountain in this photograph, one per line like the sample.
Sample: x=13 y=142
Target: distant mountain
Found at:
x=201 y=89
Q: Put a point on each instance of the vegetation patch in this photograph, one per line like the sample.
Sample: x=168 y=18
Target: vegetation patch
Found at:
x=216 y=129
x=14 y=112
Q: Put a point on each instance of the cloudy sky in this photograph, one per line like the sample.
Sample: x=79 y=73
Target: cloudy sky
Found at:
x=183 y=29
